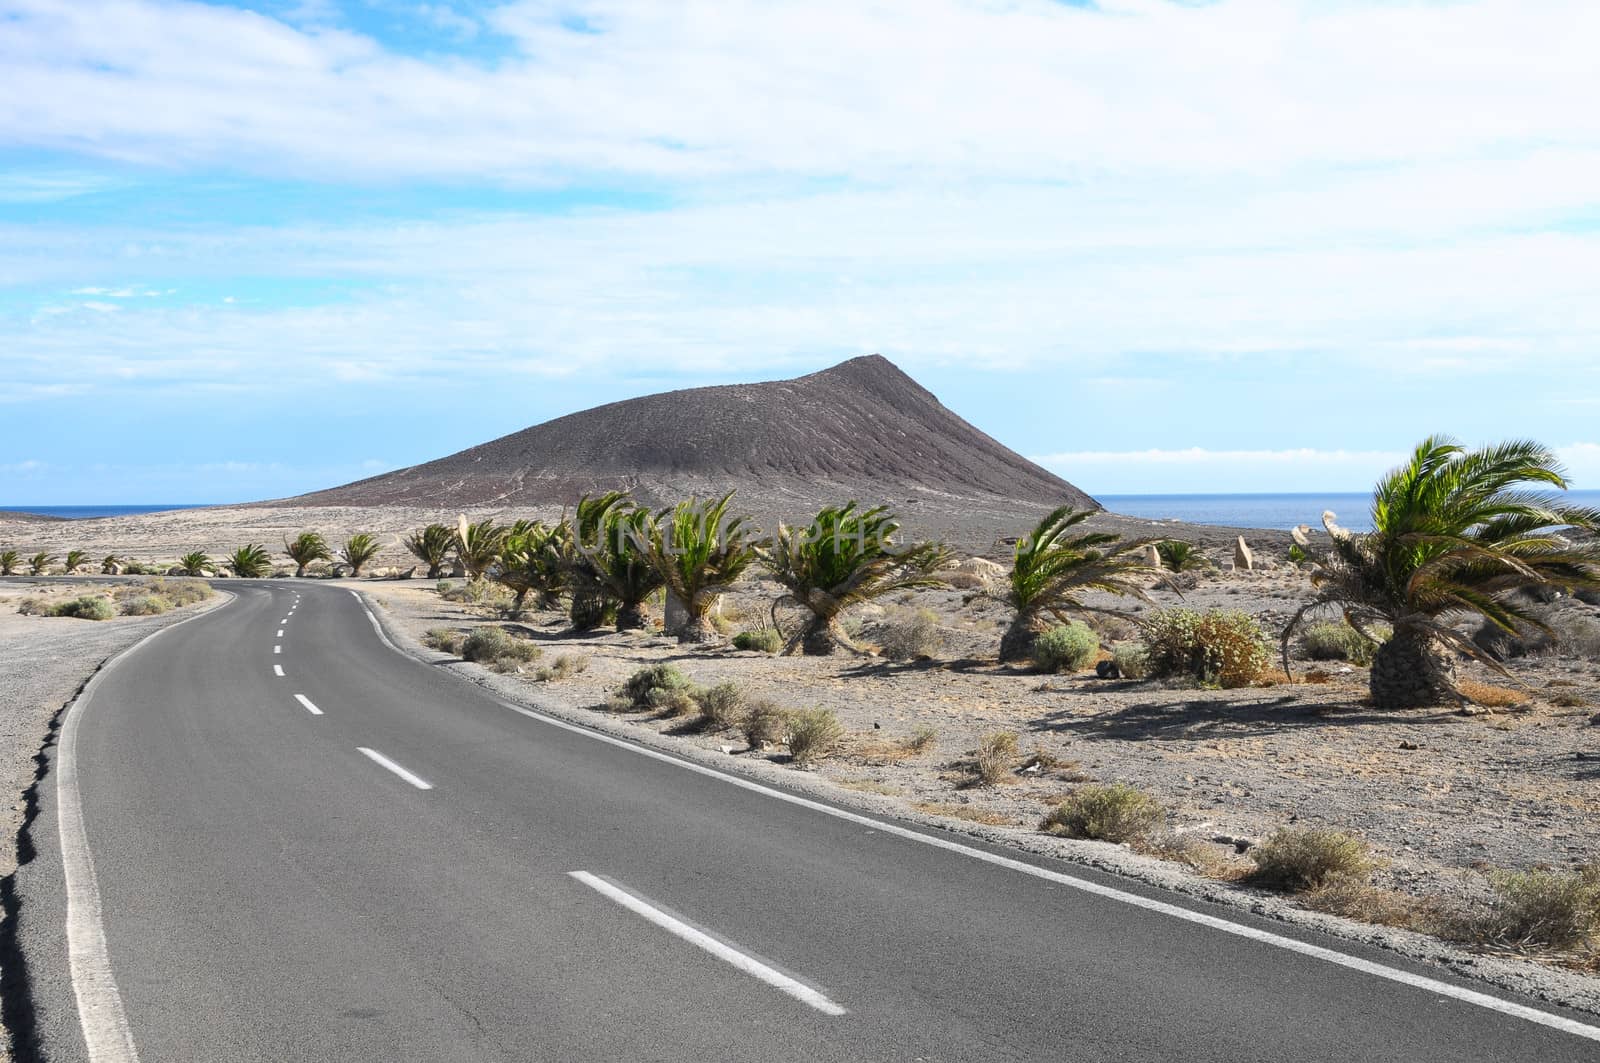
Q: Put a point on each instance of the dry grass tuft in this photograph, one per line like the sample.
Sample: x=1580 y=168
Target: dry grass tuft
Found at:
x=970 y=813
x=1491 y=696
x=993 y=759
x=1294 y=859
x=870 y=786
x=1115 y=813
x=813 y=735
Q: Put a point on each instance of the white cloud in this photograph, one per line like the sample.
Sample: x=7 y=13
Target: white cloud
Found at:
x=1031 y=88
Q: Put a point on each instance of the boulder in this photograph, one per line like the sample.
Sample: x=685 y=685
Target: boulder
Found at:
x=340 y=571
x=1152 y=556
x=1243 y=559
x=174 y=571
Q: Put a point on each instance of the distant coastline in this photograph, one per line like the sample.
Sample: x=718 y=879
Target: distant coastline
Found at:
x=91 y=512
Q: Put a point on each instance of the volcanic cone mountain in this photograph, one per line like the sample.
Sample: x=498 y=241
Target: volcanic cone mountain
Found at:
x=862 y=429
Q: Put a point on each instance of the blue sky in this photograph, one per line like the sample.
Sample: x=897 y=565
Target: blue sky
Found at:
x=248 y=250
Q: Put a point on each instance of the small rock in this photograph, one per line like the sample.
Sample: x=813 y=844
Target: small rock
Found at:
x=1409 y=745
x=1107 y=670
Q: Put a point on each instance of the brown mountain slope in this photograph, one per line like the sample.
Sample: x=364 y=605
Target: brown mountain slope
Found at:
x=862 y=429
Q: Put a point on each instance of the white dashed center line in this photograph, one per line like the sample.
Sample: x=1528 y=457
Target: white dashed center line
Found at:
x=378 y=758
x=306 y=702
x=280 y=633
x=277 y=649
x=277 y=670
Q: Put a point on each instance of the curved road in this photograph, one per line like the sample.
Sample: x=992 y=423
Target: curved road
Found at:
x=364 y=858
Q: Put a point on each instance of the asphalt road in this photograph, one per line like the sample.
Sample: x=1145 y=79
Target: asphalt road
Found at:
x=417 y=872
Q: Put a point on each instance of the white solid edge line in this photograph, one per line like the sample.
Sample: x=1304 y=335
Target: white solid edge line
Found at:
x=305 y=701
x=375 y=625
x=699 y=938
x=277 y=670
x=1265 y=937
x=378 y=758
x=107 y=1037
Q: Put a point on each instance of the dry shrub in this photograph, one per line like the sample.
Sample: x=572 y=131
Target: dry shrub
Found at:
x=763 y=639
x=1115 y=813
x=33 y=607
x=85 y=607
x=565 y=665
x=1194 y=853
x=1490 y=696
x=763 y=723
x=1337 y=642
x=813 y=735
x=498 y=649
x=992 y=761
x=1225 y=648
x=1351 y=897
x=1550 y=909
x=443 y=638
x=144 y=605
x=721 y=707
x=180 y=592
x=970 y=813
x=871 y=786
x=642 y=686
x=1568 y=699
x=1296 y=859
x=910 y=634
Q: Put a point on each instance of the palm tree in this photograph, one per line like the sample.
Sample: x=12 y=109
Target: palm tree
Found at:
x=194 y=564
x=844 y=558
x=110 y=564
x=307 y=547
x=74 y=560
x=608 y=561
x=478 y=546
x=40 y=562
x=431 y=546
x=358 y=550
x=699 y=554
x=1053 y=568
x=9 y=560
x=1455 y=532
x=250 y=561
x=532 y=561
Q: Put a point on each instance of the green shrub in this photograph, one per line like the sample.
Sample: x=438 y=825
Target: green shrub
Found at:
x=1065 y=648
x=911 y=634
x=992 y=761
x=1132 y=661
x=813 y=735
x=1553 y=909
x=641 y=685
x=145 y=605
x=481 y=593
x=88 y=607
x=1115 y=813
x=764 y=639
x=498 y=649
x=763 y=723
x=1219 y=647
x=721 y=706
x=565 y=664
x=443 y=638
x=1337 y=642
x=1298 y=555
x=1299 y=859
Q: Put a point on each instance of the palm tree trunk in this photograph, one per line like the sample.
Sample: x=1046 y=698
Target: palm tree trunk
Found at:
x=632 y=616
x=1017 y=643
x=434 y=570
x=823 y=637
x=1413 y=670
x=299 y=570
x=588 y=611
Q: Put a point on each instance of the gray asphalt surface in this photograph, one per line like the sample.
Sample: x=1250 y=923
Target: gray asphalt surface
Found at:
x=271 y=893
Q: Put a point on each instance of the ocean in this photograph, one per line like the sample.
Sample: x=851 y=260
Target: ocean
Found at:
x=88 y=512
x=1268 y=511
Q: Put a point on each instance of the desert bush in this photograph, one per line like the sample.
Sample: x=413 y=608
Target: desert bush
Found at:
x=763 y=723
x=565 y=665
x=992 y=761
x=1337 y=642
x=813 y=735
x=1303 y=859
x=911 y=634
x=1490 y=696
x=481 y=593
x=87 y=607
x=641 y=685
x=443 y=638
x=1132 y=661
x=763 y=639
x=181 y=592
x=921 y=740
x=721 y=706
x=1114 y=813
x=1553 y=909
x=1065 y=648
x=1225 y=648
x=498 y=649
x=1578 y=636
x=144 y=605
x=33 y=607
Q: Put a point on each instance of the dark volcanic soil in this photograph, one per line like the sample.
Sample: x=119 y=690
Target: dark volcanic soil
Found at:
x=862 y=429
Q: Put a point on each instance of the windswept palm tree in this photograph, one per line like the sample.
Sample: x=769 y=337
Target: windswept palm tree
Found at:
x=431 y=546
x=110 y=565
x=608 y=561
x=40 y=563
x=74 y=560
x=250 y=561
x=358 y=550
x=305 y=548
x=477 y=546
x=1455 y=533
x=9 y=560
x=1055 y=566
x=700 y=553
x=532 y=561
x=845 y=557
x=195 y=564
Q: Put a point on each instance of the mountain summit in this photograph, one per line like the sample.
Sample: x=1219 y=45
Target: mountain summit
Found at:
x=862 y=429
